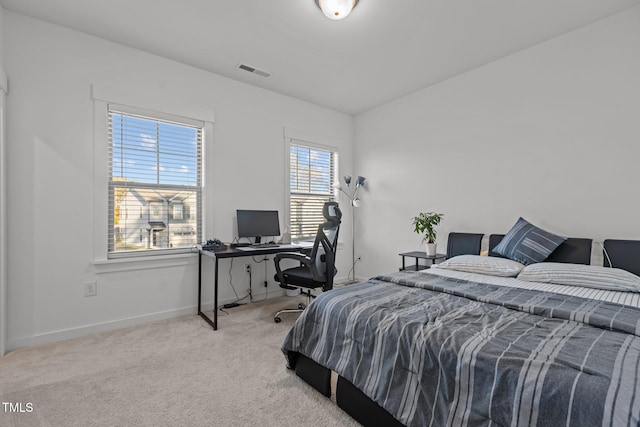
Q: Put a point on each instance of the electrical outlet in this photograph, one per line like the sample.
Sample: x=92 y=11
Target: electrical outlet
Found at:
x=247 y=268
x=91 y=289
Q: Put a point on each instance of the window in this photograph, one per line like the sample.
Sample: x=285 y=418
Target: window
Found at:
x=177 y=211
x=155 y=168
x=312 y=172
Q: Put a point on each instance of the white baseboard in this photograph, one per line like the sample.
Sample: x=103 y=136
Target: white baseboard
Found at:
x=343 y=281
x=66 y=334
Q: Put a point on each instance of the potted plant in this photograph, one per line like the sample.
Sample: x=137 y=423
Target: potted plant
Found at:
x=424 y=225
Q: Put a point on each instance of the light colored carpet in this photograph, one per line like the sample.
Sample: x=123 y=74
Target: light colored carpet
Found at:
x=177 y=372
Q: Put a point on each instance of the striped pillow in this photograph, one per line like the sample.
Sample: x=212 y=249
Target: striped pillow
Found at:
x=527 y=243
x=588 y=276
x=483 y=265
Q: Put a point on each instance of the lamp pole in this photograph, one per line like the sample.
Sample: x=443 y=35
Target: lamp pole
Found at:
x=353 y=243
x=354 y=201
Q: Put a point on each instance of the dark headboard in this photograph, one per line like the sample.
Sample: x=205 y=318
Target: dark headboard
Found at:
x=624 y=254
x=574 y=250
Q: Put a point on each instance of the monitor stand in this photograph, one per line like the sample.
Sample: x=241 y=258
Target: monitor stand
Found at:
x=259 y=244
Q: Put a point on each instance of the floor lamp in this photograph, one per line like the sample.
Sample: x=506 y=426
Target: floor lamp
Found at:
x=352 y=193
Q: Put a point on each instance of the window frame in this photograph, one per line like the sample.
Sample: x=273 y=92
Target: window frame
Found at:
x=313 y=142
x=3 y=212
x=163 y=107
x=154 y=206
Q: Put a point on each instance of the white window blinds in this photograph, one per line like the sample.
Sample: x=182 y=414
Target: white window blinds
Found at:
x=312 y=174
x=155 y=183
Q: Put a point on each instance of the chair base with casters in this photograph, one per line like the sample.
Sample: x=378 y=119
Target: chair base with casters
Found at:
x=300 y=309
x=317 y=270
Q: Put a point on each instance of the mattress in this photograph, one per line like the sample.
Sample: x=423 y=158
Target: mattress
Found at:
x=444 y=348
x=627 y=298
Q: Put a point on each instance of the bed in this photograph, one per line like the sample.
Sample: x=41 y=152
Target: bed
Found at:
x=444 y=347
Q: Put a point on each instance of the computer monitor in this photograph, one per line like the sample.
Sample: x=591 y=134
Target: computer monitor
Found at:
x=257 y=224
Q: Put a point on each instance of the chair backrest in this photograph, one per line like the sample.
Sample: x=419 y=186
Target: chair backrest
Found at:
x=324 y=248
x=464 y=244
x=624 y=254
x=574 y=250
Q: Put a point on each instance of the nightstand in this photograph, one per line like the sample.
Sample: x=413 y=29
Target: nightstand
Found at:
x=418 y=255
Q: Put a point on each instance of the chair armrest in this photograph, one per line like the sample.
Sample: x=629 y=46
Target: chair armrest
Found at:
x=289 y=255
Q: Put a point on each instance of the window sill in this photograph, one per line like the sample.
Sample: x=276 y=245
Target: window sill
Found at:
x=311 y=241
x=117 y=265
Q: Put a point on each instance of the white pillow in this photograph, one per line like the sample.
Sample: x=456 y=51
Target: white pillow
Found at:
x=588 y=276
x=483 y=264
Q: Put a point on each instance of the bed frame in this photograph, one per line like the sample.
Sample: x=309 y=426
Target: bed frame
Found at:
x=622 y=254
x=367 y=412
x=348 y=397
x=574 y=250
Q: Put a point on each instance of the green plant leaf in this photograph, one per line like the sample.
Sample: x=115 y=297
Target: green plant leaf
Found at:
x=424 y=224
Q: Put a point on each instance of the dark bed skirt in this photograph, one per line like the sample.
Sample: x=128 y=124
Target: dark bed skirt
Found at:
x=348 y=397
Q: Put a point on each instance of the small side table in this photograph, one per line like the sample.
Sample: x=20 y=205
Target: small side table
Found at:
x=418 y=255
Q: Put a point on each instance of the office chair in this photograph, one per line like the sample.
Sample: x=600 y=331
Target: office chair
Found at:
x=464 y=244
x=316 y=270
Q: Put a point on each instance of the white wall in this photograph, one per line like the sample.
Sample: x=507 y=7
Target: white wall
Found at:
x=50 y=173
x=550 y=133
x=1 y=36
x=3 y=245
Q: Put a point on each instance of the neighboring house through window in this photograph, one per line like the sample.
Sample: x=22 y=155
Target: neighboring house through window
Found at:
x=155 y=168
x=312 y=172
x=177 y=211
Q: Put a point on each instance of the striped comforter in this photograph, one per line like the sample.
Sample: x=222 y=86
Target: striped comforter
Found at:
x=438 y=351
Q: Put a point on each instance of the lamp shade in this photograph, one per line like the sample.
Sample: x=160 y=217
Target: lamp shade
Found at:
x=336 y=9
x=356 y=203
x=360 y=181
x=347 y=179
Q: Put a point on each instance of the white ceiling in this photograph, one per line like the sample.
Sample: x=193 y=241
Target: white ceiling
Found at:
x=382 y=51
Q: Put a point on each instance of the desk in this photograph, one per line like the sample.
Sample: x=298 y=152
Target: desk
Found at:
x=231 y=253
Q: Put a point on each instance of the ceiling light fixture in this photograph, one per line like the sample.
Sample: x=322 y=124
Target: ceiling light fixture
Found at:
x=336 y=9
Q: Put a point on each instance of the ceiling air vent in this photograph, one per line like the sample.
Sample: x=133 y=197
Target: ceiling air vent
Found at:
x=254 y=70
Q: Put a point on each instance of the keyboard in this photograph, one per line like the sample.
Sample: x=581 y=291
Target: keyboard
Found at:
x=240 y=245
x=265 y=245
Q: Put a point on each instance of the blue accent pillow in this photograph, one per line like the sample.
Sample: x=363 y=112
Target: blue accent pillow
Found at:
x=527 y=243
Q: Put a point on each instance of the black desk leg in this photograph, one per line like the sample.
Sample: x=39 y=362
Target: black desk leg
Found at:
x=214 y=322
x=199 y=282
x=215 y=299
